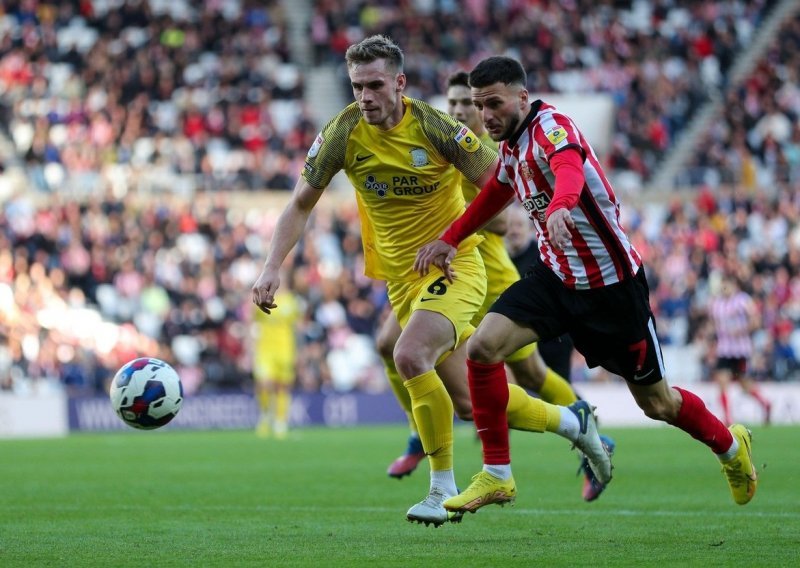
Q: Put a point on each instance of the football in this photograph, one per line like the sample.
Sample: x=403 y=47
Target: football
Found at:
x=146 y=393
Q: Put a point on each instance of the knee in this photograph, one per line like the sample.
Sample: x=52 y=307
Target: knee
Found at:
x=409 y=363
x=483 y=350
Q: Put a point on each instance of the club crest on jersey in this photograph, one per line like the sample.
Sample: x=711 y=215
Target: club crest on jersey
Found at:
x=419 y=157
x=372 y=184
x=526 y=171
x=556 y=135
x=318 y=142
x=467 y=139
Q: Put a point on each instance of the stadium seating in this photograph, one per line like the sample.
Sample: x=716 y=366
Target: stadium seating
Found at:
x=126 y=132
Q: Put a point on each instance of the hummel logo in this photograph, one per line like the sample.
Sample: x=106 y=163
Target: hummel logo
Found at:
x=427 y=299
x=362 y=158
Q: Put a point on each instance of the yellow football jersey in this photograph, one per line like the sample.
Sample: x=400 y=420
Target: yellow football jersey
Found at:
x=406 y=183
x=275 y=334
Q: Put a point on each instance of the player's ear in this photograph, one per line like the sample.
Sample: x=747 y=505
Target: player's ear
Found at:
x=523 y=98
x=401 y=82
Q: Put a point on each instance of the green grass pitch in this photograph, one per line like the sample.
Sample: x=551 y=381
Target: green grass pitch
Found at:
x=322 y=498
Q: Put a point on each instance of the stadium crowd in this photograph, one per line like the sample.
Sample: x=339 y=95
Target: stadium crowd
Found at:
x=757 y=142
x=106 y=102
x=659 y=60
x=152 y=95
x=166 y=95
x=84 y=288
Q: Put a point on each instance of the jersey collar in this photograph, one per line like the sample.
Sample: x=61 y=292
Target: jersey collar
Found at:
x=524 y=126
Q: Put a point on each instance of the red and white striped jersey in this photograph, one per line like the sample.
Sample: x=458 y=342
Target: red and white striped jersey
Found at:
x=600 y=253
x=731 y=316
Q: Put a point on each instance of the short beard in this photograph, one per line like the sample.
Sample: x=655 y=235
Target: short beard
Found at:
x=511 y=129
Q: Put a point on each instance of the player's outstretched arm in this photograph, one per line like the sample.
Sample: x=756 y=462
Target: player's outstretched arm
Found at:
x=499 y=223
x=290 y=228
x=493 y=198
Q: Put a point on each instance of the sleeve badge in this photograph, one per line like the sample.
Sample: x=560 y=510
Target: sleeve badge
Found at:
x=467 y=139
x=318 y=142
x=556 y=135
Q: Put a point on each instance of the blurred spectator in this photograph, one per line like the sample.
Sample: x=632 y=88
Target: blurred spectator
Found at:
x=659 y=61
x=755 y=144
x=153 y=95
x=82 y=292
x=105 y=102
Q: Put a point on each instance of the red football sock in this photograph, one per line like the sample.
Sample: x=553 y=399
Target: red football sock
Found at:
x=488 y=389
x=756 y=394
x=726 y=409
x=695 y=419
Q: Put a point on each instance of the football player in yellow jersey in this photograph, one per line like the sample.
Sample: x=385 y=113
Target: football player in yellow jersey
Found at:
x=274 y=357
x=527 y=365
x=401 y=156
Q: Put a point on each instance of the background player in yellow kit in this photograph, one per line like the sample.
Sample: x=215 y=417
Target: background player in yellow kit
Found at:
x=527 y=365
x=274 y=358
x=401 y=155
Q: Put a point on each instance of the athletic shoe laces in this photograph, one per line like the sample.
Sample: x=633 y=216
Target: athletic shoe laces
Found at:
x=435 y=498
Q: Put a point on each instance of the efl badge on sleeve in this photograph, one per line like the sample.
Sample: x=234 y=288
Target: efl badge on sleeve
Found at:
x=556 y=135
x=318 y=142
x=467 y=139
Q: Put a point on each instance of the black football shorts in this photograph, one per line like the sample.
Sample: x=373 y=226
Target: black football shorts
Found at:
x=612 y=327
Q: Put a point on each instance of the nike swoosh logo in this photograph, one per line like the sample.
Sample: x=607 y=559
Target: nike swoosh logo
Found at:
x=640 y=377
x=427 y=299
x=583 y=419
x=753 y=476
x=362 y=158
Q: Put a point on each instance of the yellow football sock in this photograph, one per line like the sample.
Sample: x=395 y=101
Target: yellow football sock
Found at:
x=530 y=414
x=525 y=412
x=553 y=417
x=556 y=389
x=433 y=413
x=283 y=399
x=263 y=400
x=400 y=391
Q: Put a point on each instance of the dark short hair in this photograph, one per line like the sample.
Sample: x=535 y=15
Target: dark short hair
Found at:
x=458 y=79
x=497 y=69
x=373 y=48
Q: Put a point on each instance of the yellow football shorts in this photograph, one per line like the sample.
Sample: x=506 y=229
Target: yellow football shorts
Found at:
x=274 y=367
x=522 y=353
x=458 y=302
x=497 y=281
x=500 y=273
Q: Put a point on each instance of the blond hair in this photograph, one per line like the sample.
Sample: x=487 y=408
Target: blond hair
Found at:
x=373 y=48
